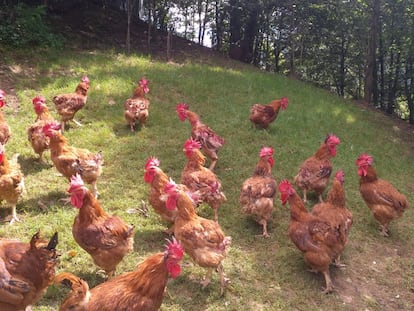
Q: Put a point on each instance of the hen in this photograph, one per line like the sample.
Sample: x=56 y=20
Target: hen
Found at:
x=209 y=140
x=70 y=160
x=26 y=270
x=11 y=182
x=258 y=191
x=334 y=209
x=157 y=179
x=136 y=107
x=262 y=115
x=202 y=239
x=4 y=127
x=384 y=201
x=39 y=141
x=142 y=289
x=106 y=238
x=68 y=104
x=314 y=172
x=201 y=179
x=315 y=236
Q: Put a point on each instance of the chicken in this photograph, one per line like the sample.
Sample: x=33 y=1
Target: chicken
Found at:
x=39 y=141
x=262 y=115
x=201 y=179
x=26 y=270
x=142 y=289
x=384 y=201
x=209 y=140
x=313 y=235
x=11 y=182
x=4 y=126
x=334 y=209
x=136 y=107
x=314 y=172
x=70 y=160
x=106 y=238
x=258 y=191
x=203 y=239
x=68 y=104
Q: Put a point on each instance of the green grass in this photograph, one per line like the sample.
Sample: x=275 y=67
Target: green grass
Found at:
x=266 y=274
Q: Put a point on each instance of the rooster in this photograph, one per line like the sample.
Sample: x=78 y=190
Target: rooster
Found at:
x=136 y=107
x=262 y=115
x=26 y=270
x=314 y=172
x=201 y=179
x=258 y=191
x=157 y=179
x=142 y=289
x=68 y=104
x=209 y=140
x=106 y=238
x=39 y=141
x=385 y=202
x=334 y=209
x=202 y=239
x=70 y=160
x=11 y=182
x=315 y=236
x=4 y=127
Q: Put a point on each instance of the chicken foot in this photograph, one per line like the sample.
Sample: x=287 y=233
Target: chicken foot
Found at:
x=14 y=215
x=264 y=224
x=384 y=230
x=223 y=280
x=329 y=286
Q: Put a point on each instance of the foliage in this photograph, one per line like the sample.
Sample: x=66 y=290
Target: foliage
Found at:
x=266 y=274
x=26 y=26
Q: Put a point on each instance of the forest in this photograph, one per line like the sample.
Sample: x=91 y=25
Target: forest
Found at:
x=358 y=49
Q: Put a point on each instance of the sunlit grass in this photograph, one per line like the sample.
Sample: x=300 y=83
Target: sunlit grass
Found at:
x=266 y=274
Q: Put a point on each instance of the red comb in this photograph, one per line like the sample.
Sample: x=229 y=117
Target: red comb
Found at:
x=332 y=139
x=39 y=99
x=76 y=182
x=364 y=159
x=285 y=186
x=174 y=249
x=152 y=161
x=266 y=151
x=85 y=79
x=181 y=108
x=143 y=83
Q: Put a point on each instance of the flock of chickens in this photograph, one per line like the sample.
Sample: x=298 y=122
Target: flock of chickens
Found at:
x=321 y=234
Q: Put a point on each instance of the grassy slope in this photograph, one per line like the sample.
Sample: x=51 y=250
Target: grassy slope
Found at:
x=266 y=274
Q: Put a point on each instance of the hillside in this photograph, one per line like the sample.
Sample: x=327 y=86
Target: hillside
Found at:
x=266 y=274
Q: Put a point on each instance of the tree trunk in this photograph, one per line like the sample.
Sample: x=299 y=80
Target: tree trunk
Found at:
x=371 y=67
x=235 y=51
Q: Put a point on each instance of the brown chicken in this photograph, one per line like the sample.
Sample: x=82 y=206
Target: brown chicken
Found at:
x=313 y=235
x=137 y=107
x=334 y=209
x=262 y=115
x=385 y=202
x=314 y=172
x=201 y=179
x=70 y=160
x=258 y=191
x=26 y=270
x=68 y=104
x=142 y=289
x=11 y=182
x=4 y=126
x=106 y=238
x=209 y=140
x=202 y=239
x=39 y=141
